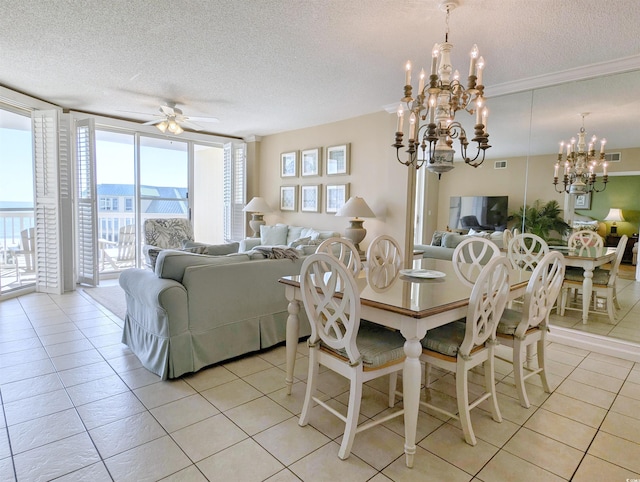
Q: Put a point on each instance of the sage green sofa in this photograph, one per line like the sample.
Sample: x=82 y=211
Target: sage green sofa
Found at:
x=195 y=310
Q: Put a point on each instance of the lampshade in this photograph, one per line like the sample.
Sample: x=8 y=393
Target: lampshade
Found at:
x=356 y=207
x=257 y=205
x=614 y=215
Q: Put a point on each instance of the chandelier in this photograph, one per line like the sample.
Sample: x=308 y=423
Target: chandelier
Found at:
x=580 y=166
x=432 y=124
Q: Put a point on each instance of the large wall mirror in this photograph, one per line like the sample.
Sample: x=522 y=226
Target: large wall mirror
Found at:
x=526 y=129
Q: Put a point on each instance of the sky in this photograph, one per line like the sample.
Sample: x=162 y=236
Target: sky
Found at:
x=16 y=165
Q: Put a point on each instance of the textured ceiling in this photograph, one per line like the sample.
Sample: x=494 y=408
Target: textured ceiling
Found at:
x=267 y=66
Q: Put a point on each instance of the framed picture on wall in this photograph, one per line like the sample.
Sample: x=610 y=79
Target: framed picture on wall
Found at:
x=310 y=162
x=338 y=160
x=310 y=198
x=583 y=201
x=289 y=164
x=288 y=198
x=337 y=195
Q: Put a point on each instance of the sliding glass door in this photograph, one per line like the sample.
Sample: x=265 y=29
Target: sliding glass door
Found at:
x=17 y=255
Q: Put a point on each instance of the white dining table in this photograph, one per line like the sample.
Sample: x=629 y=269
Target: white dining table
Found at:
x=588 y=259
x=410 y=305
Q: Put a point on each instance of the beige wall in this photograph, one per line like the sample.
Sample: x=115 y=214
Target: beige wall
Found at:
x=377 y=177
x=374 y=174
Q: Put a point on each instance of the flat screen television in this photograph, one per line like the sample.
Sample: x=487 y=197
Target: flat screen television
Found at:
x=481 y=213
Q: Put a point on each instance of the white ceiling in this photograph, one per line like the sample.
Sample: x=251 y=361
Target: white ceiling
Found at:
x=267 y=66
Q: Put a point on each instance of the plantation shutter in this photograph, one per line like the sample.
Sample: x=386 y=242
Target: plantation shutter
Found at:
x=234 y=191
x=47 y=201
x=87 y=241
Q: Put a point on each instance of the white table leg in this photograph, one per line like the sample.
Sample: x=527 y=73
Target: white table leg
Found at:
x=411 y=383
x=292 y=336
x=587 y=288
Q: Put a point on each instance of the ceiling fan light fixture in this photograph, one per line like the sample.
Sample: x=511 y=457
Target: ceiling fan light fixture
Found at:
x=162 y=126
x=178 y=130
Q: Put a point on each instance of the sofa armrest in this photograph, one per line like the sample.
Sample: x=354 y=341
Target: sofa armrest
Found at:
x=151 y=300
x=248 y=244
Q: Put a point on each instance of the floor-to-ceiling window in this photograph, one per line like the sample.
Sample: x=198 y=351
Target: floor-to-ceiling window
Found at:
x=17 y=256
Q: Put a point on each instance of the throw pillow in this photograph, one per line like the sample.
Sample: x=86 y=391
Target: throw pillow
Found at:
x=222 y=249
x=436 y=240
x=273 y=235
x=300 y=242
x=196 y=249
x=451 y=240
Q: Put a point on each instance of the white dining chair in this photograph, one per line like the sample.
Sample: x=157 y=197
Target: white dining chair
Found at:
x=526 y=250
x=604 y=285
x=463 y=345
x=507 y=235
x=585 y=239
x=519 y=329
x=344 y=251
x=356 y=349
x=470 y=256
x=384 y=262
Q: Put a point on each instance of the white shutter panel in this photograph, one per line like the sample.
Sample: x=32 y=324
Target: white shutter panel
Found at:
x=87 y=243
x=47 y=202
x=234 y=191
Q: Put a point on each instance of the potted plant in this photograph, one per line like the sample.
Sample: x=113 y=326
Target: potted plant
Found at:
x=542 y=219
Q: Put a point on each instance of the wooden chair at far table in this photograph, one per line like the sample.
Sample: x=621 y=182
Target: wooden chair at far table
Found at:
x=356 y=349
x=464 y=344
x=518 y=329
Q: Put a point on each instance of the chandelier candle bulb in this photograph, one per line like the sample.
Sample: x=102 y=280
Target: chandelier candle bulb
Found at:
x=602 y=143
x=412 y=126
x=604 y=169
x=480 y=70
x=474 y=58
x=561 y=148
x=434 y=59
x=555 y=170
x=407 y=74
x=485 y=115
x=400 y=119
x=421 y=83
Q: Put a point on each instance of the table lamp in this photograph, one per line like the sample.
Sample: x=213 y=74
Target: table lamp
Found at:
x=614 y=215
x=257 y=207
x=356 y=208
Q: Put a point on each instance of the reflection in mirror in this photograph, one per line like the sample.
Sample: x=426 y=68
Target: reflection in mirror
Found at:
x=526 y=128
x=612 y=103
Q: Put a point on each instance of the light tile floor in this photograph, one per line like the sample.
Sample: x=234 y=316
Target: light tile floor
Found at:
x=78 y=406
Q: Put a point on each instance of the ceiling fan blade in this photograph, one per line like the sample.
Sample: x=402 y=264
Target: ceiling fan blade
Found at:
x=204 y=119
x=191 y=125
x=153 y=122
x=167 y=110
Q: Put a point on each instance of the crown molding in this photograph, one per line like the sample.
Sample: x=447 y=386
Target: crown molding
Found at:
x=610 y=67
x=252 y=139
x=616 y=66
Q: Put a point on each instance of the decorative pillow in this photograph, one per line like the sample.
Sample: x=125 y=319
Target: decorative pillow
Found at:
x=300 y=242
x=222 y=249
x=294 y=232
x=436 y=240
x=451 y=240
x=273 y=235
x=196 y=249
x=479 y=234
x=210 y=249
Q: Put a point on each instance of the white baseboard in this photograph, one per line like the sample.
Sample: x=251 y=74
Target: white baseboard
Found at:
x=596 y=343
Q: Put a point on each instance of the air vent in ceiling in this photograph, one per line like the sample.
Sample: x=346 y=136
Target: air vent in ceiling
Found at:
x=613 y=157
x=500 y=165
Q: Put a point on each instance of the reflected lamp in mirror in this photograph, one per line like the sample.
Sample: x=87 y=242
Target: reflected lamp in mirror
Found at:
x=614 y=215
x=257 y=207
x=356 y=208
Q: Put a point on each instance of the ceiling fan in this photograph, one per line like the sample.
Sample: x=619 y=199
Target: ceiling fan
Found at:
x=172 y=119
